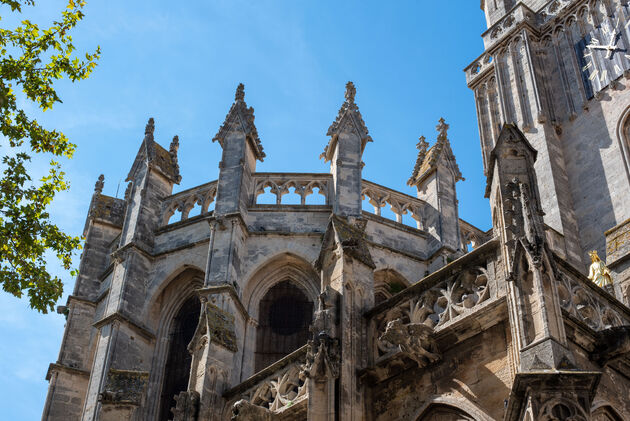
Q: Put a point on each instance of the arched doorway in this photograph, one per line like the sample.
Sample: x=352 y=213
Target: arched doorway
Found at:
x=444 y=413
x=284 y=315
x=178 y=360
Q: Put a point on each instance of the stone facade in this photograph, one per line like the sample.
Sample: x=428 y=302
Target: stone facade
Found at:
x=322 y=311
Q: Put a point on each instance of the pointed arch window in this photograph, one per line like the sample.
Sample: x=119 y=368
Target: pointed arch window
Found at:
x=285 y=313
x=178 y=360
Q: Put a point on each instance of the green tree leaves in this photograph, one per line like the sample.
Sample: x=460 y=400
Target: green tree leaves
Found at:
x=31 y=60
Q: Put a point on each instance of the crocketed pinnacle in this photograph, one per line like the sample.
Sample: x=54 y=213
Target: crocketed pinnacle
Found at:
x=241 y=118
x=100 y=183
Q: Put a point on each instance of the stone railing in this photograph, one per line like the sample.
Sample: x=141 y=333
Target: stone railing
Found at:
x=186 y=200
x=407 y=322
x=483 y=64
x=399 y=203
x=277 y=387
x=551 y=10
x=590 y=304
x=519 y=14
x=472 y=235
x=303 y=185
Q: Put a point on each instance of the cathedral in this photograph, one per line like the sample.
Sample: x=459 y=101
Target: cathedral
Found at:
x=212 y=304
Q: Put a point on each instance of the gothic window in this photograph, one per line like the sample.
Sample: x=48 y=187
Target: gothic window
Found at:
x=387 y=283
x=177 y=369
x=445 y=413
x=285 y=314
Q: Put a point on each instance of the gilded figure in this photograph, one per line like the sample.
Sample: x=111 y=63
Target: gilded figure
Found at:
x=598 y=272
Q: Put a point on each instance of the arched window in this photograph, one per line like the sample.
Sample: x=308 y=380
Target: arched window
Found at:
x=285 y=313
x=387 y=283
x=177 y=369
x=444 y=413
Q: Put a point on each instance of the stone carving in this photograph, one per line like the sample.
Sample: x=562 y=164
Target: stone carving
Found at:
x=221 y=327
x=185 y=201
x=186 y=407
x=280 y=185
x=173 y=152
x=244 y=411
x=241 y=118
x=400 y=203
x=323 y=355
x=585 y=305
x=124 y=387
x=348 y=119
x=413 y=339
x=284 y=388
x=422 y=147
x=433 y=308
x=599 y=272
x=561 y=410
x=100 y=183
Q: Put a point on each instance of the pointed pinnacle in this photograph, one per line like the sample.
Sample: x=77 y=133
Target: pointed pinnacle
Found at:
x=422 y=144
x=240 y=93
x=442 y=127
x=148 y=130
x=351 y=91
x=174 y=145
x=100 y=183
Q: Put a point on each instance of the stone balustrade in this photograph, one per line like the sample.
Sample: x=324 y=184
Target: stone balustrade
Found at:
x=303 y=184
x=399 y=203
x=588 y=303
x=278 y=387
x=481 y=66
x=472 y=235
x=407 y=322
x=186 y=200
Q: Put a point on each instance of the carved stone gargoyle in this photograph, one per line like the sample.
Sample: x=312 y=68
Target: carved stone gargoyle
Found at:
x=243 y=410
x=186 y=406
x=415 y=340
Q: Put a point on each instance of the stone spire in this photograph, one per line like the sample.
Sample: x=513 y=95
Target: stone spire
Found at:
x=100 y=183
x=422 y=147
x=241 y=118
x=149 y=129
x=173 y=152
x=348 y=120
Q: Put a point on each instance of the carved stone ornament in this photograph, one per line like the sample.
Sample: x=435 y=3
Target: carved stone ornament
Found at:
x=245 y=411
x=413 y=339
x=186 y=406
x=100 y=183
x=323 y=358
x=124 y=387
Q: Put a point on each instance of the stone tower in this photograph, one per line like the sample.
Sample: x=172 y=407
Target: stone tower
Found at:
x=560 y=71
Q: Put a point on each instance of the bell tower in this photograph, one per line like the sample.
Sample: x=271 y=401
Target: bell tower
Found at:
x=557 y=71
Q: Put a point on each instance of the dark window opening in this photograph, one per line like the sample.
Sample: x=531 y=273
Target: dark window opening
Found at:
x=285 y=314
x=177 y=370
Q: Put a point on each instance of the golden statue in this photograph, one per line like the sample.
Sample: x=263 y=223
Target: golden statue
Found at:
x=598 y=272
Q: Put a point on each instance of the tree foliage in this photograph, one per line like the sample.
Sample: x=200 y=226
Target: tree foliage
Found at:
x=32 y=59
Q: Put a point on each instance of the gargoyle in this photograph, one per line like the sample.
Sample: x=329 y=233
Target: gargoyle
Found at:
x=243 y=410
x=414 y=340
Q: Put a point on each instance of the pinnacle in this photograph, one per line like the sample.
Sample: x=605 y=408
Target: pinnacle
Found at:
x=100 y=183
x=422 y=144
x=240 y=93
x=442 y=128
x=150 y=127
x=351 y=91
x=174 y=145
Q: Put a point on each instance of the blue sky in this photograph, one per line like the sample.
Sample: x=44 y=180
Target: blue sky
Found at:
x=181 y=65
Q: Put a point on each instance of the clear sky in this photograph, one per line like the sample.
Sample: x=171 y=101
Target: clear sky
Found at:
x=180 y=62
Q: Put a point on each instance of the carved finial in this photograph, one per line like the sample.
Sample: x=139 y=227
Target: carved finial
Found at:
x=148 y=131
x=174 y=145
x=240 y=93
x=351 y=91
x=442 y=128
x=100 y=183
x=422 y=145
